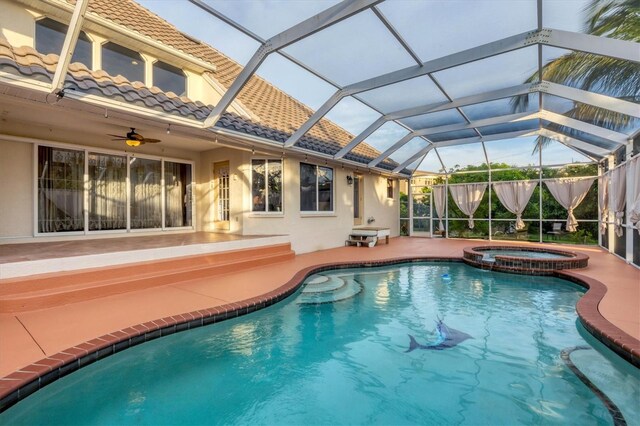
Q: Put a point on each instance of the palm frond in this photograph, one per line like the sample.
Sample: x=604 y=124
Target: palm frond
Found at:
x=617 y=78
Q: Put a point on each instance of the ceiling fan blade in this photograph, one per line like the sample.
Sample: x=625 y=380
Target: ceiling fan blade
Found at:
x=116 y=136
x=148 y=140
x=119 y=139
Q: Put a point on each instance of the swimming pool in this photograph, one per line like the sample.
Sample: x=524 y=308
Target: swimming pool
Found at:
x=338 y=351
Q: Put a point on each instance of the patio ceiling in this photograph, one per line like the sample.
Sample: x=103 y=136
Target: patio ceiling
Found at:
x=422 y=76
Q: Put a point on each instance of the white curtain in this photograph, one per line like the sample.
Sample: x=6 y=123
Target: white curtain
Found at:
x=515 y=196
x=603 y=201
x=439 y=199
x=618 y=195
x=107 y=192
x=174 y=202
x=146 y=194
x=569 y=193
x=468 y=197
x=635 y=193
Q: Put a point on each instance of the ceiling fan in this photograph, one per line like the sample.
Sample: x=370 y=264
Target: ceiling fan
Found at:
x=133 y=138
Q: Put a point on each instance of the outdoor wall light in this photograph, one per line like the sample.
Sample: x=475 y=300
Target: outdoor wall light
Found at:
x=349 y=180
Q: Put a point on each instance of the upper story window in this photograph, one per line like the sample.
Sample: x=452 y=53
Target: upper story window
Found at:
x=389 y=188
x=266 y=185
x=169 y=78
x=316 y=188
x=50 y=36
x=118 y=60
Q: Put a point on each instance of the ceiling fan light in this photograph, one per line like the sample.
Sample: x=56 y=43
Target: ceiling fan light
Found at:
x=132 y=142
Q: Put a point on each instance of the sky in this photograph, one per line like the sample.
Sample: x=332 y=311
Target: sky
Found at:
x=361 y=47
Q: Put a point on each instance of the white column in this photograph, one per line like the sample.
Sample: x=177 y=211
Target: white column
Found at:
x=629 y=195
x=600 y=218
x=610 y=229
x=431 y=212
x=446 y=205
x=410 y=201
x=148 y=69
x=540 y=191
x=490 y=237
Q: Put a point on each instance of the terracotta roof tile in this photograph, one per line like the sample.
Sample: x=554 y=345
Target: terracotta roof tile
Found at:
x=28 y=62
x=274 y=108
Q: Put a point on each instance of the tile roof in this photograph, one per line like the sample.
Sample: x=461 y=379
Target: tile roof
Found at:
x=276 y=110
x=26 y=61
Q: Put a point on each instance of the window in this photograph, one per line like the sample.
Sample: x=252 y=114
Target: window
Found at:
x=146 y=193
x=316 y=188
x=389 y=188
x=169 y=78
x=50 y=36
x=118 y=60
x=178 y=194
x=60 y=190
x=107 y=192
x=266 y=185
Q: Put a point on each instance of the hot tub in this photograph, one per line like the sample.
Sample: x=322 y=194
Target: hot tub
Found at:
x=526 y=260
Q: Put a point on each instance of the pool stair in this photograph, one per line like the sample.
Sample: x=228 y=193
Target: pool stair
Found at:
x=55 y=289
x=328 y=289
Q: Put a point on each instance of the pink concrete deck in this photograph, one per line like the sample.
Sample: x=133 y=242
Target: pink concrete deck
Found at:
x=32 y=335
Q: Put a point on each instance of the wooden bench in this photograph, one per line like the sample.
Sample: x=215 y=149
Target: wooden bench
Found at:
x=361 y=240
x=368 y=236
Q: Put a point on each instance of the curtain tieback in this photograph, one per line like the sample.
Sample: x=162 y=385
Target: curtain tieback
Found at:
x=618 y=223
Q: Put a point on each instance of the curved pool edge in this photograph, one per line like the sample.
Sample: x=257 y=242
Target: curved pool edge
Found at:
x=620 y=342
x=27 y=380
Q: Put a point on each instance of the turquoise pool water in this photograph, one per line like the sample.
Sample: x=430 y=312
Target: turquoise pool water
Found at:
x=336 y=353
x=489 y=255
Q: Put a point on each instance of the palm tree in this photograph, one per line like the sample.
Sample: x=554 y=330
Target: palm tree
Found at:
x=618 y=19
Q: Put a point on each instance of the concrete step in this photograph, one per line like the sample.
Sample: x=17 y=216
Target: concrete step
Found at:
x=48 y=290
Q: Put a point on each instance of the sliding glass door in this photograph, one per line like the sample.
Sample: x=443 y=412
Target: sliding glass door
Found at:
x=107 y=187
x=80 y=191
x=60 y=190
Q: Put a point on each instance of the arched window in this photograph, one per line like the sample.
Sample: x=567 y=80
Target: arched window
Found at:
x=50 y=36
x=118 y=60
x=169 y=78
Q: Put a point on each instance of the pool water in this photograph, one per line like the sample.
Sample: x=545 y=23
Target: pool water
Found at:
x=313 y=360
x=489 y=255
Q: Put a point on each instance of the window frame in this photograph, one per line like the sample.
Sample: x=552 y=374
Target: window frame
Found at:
x=87 y=150
x=390 y=188
x=266 y=212
x=143 y=61
x=156 y=63
x=317 y=212
x=82 y=36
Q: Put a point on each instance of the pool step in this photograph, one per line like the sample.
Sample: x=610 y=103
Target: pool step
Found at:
x=48 y=290
x=332 y=290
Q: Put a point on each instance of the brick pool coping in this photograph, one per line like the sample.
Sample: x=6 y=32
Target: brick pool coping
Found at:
x=22 y=383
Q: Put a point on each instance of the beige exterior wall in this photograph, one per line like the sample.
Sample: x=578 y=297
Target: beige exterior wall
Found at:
x=311 y=232
x=16 y=193
x=205 y=196
x=308 y=231
x=16 y=24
